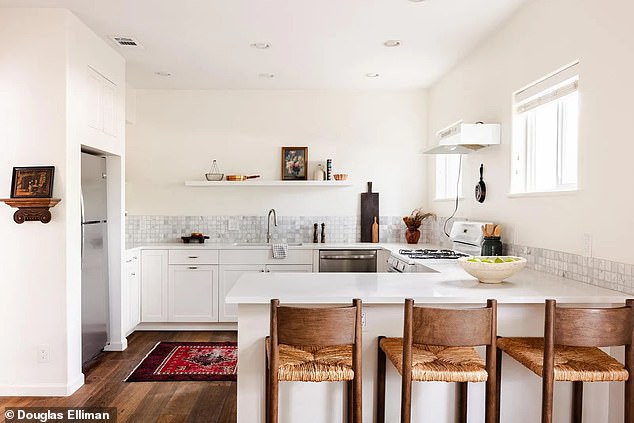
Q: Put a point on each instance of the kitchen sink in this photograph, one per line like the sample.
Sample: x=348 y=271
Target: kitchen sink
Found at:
x=263 y=244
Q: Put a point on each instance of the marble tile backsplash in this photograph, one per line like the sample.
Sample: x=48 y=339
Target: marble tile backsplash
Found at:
x=229 y=229
x=594 y=271
x=346 y=229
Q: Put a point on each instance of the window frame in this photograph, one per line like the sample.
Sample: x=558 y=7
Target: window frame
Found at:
x=554 y=88
x=449 y=183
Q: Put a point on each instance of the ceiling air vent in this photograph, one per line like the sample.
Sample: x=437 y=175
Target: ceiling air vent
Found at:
x=125 y=41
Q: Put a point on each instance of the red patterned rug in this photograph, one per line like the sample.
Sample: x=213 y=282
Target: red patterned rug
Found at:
x=188 y=361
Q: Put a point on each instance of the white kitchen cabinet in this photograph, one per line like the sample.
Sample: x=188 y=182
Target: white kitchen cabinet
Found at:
x=229 y=275
x=101 y=104
x=154 y=289
x=193 y=293
x=132 y=292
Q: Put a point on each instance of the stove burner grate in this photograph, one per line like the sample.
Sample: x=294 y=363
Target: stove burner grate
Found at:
x=432 y=254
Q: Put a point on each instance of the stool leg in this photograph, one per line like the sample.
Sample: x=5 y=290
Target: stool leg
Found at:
x=380 y=384
x=349 y=406
x=273 y=397
x=267 y=389
x=498 y=384
x=461 y=402
x=577 y=402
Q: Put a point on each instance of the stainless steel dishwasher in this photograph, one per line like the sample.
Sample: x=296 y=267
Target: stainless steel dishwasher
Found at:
x=347 y=261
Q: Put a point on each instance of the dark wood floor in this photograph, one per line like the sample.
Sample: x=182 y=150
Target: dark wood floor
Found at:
x=208 y=402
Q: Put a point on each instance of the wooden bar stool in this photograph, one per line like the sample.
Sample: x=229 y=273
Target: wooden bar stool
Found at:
x=437 y=345
x=314 y=345
x=569 y=352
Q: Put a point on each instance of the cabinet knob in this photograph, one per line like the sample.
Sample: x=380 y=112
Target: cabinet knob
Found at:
x=268 y=271
x=132 y=274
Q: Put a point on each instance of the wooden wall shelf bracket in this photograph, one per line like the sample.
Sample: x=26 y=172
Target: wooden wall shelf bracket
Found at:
x=31 y=209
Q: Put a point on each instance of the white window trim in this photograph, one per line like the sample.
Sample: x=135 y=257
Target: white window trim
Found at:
x=550 y=88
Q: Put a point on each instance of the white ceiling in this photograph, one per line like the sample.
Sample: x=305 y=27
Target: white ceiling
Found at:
x=315 y=44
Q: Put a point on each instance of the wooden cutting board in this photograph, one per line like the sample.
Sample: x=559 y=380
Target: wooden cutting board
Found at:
x=369 y=210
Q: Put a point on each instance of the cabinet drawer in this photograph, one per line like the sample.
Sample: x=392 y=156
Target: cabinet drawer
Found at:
x=265 y=257
x=193 y=256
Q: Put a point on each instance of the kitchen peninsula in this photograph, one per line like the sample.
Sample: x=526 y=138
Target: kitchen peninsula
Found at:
x=520 y=312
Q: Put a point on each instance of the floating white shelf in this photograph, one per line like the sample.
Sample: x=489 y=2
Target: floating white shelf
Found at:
x=265 y=183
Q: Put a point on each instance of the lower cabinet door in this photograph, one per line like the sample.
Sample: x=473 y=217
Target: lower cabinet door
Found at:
x=229 y=275
x=154 y=285
x=192 y=293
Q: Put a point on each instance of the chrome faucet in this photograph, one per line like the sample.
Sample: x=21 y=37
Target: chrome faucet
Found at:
x=268 y=224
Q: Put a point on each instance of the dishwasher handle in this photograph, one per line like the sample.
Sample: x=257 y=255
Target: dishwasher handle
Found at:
x=349 y=257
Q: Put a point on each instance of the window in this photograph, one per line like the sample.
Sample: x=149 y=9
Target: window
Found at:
x=447 y=170
x=545 y=132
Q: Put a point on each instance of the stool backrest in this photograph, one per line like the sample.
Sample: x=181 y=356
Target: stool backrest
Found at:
x=465 y=327
x=304 y=326
x=589 y=327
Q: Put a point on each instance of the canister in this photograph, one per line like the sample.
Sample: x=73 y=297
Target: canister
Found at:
x=491 y=246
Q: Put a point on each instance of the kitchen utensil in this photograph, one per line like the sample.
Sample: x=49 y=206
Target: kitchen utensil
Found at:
x=369 y=209
x=214 y=174
x=480 y=188
x=375 y=230
x=340 y=176
x=241 y=177
x=497 y=231
x=484 y=230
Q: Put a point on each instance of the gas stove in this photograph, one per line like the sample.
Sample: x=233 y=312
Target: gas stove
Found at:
x=426 y=254
x=466 y=240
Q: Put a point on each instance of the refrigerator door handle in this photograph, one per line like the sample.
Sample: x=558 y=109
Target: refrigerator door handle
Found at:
x=81 y=203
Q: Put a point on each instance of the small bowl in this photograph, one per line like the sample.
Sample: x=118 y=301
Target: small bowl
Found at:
x=491 y=272
x=340 y=176
x=214 y=176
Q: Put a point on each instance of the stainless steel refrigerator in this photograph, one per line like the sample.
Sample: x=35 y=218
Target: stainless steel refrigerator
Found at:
x=94 y=256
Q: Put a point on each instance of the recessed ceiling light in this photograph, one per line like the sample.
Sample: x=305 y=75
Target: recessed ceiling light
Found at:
x=261 y=46
x=266 y=75
x=372 y=75
x=392 y=43
x=164 y=74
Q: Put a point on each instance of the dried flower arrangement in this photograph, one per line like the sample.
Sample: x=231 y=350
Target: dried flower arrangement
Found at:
x=415 y=219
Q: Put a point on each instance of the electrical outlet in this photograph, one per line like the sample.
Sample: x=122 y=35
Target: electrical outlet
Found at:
x=587 y=245
x=43 y=353
x=364 y=320
x=233 y=225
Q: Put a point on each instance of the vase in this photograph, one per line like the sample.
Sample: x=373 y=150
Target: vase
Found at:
x=412 y=235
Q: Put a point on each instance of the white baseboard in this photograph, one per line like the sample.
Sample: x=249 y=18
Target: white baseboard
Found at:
x=186 y=326
x=43 y=390
x=117 y=346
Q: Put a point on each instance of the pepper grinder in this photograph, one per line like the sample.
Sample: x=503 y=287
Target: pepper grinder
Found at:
x=315 y=240
x=323 y=232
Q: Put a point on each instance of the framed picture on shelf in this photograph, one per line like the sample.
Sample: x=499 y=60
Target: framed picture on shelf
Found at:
x=294 y=163
x=32 y=182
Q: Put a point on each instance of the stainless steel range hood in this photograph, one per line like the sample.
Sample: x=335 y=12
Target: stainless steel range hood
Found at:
x=465 y=138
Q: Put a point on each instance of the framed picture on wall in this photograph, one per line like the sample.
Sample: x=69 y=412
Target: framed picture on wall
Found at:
x=32 y=182
x=294 y=163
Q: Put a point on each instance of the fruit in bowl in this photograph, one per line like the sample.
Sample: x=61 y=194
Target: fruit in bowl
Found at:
x=492 y=269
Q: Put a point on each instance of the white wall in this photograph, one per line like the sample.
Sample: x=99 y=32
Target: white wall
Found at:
x=541 y=37
x=33 y=257
x=372 y=136
x=44 y=55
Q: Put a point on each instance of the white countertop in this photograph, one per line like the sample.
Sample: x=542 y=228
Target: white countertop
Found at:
x=450 y=285
x=259 y=246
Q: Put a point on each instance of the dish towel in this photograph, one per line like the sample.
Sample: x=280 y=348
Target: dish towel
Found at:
x=280 y=251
